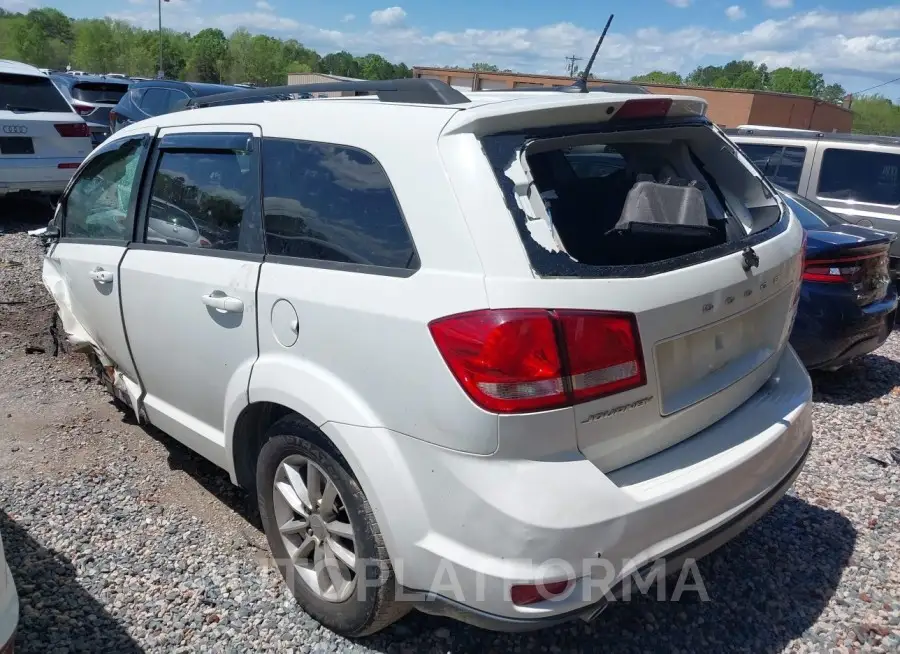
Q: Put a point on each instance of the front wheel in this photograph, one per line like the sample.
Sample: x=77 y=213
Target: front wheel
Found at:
x=322 y=533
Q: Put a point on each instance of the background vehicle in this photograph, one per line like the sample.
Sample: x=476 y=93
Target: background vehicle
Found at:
x=157 y=97
x=9 y=605
x=847 y=301
x=615 y=335
x=42 y=139
x=853 y=175
x=92 y=98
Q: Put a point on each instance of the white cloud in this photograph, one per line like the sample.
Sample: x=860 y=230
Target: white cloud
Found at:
x=348 y=18
x=265 y=6
x=390 y=17
x=681 y=4
x=780 y=4
x=735 y=12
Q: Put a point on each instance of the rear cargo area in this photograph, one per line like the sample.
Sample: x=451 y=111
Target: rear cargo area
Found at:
x=635 y=196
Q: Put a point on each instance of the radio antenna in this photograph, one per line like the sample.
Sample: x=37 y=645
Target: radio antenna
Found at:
x=580 y=84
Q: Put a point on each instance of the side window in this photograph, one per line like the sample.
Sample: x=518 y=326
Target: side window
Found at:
x=97 y=204
x=594 y=161
x=155 y=101
x=198 y=199
x=332 y=203
x=174 y=96
x=782 y=165
x=860 y=176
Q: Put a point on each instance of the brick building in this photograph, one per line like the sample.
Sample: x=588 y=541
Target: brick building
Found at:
x=727 y=107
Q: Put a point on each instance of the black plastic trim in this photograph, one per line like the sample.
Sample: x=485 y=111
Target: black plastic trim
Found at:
x=340 y=265
x=92 y=241
x=202 y=252
x=409 y=90
x=217 y=141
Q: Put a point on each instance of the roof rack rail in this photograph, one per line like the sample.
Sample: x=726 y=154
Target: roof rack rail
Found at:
x=416 y=90
x=596 y=87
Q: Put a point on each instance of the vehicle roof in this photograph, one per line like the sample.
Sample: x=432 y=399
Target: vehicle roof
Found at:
x=18 y=68
x=198 y=88
x=485 y=106
x=775 y=133
x=71 y=80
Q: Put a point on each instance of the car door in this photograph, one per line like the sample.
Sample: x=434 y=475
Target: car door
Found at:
x=190 y=311
x=96 y=220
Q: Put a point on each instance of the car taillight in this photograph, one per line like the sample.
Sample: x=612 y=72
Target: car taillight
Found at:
x=83 y=109
x=69 y=130
x=644 y=108
x=67 y=166
x=841 y=270
x=517 y=360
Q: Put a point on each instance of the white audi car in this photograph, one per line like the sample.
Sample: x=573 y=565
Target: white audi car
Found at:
x=42 y=139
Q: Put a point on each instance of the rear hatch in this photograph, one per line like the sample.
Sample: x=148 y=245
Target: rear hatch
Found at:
x=640 y=209
x=36 y=122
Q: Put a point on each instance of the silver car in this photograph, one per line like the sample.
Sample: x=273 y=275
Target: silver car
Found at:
x=852 y=175
x=92 y=97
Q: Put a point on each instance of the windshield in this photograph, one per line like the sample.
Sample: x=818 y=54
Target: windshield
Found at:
x=810 y=214
x=25 y=93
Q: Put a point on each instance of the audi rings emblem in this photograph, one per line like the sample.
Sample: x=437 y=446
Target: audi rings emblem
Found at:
x=15 y=129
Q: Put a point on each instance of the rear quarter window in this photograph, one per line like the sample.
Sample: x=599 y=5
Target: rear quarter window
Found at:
x=330 y=203
x=98 y=92
x=25 y=94
x=783 y=165
x=860 y=176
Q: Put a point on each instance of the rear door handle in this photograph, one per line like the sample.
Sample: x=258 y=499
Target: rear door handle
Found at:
x=224 y=303
x=101 y=276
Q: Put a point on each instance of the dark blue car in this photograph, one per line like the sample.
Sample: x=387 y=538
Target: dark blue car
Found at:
x=847 y=300
x=156 y=97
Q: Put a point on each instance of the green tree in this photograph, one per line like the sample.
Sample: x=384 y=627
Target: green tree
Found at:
x=482 y=67
x=265 y=65
x=876 y=114
x=374 y=66
x=340 y=63
x=659 y=77
x=799 y=81
x=95 y=48
x=833 y=93
x=208 y=58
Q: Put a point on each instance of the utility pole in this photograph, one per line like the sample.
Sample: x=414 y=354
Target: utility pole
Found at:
x=161 y=73
x=570 y=66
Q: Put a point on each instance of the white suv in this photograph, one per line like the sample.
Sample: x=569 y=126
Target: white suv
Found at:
x=443 y=397
x=42 y=139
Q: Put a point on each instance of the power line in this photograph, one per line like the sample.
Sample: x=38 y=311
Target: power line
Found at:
x=570 y=66
x=877 y=86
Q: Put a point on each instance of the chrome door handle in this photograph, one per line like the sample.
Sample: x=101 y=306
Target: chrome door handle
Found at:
x=224 y=303
x=101 y=276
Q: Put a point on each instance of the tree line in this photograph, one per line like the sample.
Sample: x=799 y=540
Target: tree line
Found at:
x=47 y=38
x=872 y=114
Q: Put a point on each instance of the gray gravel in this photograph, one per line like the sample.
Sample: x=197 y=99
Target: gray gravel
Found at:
x=121 y=540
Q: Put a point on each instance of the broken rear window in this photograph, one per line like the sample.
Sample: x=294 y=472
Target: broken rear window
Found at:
x=630 y=202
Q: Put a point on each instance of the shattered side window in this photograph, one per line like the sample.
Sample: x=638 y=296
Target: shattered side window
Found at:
x=97 y=205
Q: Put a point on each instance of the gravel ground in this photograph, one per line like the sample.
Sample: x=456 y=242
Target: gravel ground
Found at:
x=121 y=540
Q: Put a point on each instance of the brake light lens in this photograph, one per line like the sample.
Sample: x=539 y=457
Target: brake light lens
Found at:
x=512 y=361
x=83 y=109
x=70 y=130
x=67 y=166
x=644 y=108
x=841 y=270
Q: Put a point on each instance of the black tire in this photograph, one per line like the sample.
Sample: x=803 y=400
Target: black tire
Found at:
x=368 y=610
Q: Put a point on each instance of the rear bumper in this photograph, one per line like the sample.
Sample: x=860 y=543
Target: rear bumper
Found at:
x=830 y=332
x=36 y=175
x=706 y=544
x=462 y=529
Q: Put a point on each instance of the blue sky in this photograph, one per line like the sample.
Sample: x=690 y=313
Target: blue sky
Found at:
x=854 y=43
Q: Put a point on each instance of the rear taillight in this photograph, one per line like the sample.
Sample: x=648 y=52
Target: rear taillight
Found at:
x=69 y=130
x=83 y=109
x=644 y=108
x=67 y=166
x=841 y=270
x=517 y=360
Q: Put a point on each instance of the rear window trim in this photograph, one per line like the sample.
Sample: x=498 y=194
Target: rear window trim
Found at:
x=559 y=265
